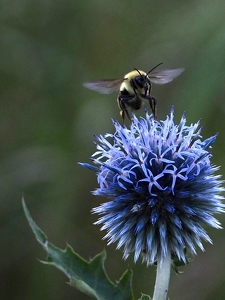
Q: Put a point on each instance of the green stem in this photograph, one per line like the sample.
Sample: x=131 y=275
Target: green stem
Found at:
x=162 y=279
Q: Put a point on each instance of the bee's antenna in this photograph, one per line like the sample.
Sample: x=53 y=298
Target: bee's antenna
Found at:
x=154 y=68
x=138 y=72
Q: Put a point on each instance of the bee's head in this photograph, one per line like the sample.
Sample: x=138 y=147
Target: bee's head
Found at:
x=142 y=81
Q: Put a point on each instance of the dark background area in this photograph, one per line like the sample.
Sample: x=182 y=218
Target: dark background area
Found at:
x=48 y=49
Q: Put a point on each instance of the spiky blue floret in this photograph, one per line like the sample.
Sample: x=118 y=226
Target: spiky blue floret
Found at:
x=161 y=188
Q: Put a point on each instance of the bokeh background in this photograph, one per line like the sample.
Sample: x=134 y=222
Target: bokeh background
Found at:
x=48 y=49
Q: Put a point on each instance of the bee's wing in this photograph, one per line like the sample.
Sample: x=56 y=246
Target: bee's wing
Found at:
x=104 y=86
x=164 y=76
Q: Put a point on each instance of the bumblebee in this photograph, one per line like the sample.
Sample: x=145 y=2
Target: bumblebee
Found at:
x=134 y=88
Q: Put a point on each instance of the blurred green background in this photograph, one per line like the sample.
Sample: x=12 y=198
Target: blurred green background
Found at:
x=48 y=49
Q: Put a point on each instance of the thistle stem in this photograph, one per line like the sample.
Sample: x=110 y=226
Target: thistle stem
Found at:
x=162 y=279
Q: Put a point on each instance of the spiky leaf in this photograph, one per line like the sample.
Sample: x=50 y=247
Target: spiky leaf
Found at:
x=88 y=276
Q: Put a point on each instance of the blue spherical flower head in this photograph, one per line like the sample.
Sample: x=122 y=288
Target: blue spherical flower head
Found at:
x=160 y=185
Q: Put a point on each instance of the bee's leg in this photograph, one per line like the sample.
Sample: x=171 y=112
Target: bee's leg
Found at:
x=153 y=104
x=122 y=106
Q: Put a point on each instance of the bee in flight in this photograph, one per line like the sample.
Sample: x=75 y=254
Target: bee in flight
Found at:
x=134 y=88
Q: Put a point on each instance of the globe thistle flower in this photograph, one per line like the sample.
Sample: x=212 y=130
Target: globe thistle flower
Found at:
x=160 y=185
